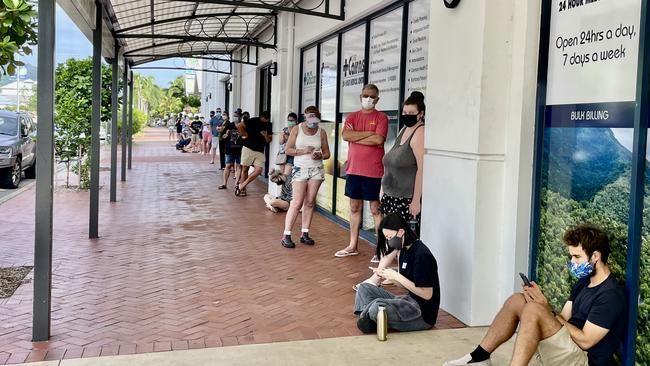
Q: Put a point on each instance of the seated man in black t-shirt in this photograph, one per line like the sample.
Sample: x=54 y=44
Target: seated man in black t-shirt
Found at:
x=418 y=273
x=588 y=329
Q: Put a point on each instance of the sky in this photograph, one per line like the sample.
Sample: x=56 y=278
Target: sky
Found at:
x=70 y=42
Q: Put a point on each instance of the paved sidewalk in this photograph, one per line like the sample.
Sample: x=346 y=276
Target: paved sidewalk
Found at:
x=179 y=265
x=430 y=348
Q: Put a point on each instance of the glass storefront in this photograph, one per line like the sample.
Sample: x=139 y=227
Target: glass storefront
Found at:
x=390 y=52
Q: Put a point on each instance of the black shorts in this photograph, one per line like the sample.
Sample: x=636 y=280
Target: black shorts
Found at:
x=362 y=188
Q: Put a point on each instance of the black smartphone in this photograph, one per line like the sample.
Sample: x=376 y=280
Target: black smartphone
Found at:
x=525 y=279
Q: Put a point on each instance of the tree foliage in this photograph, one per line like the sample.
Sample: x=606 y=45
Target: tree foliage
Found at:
x=73 y=108
x=587 y=179
x=17 y=33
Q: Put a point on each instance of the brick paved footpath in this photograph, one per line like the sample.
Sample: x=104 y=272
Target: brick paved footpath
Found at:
x=179 y=265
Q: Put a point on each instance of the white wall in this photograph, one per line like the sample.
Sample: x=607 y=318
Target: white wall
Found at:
x=479 y=136
x=480 y=126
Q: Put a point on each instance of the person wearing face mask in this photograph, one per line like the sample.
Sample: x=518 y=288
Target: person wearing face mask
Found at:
x=365 y=131
x=287 y=166
x=401 y=186
x=418 y=274
x=216 y=121
x=308 y=144
x=588 y=329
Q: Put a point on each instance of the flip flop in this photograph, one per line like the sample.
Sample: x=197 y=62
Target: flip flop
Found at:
x=222 y=187
x=237 y=191
x=374 y=259
x=242 y=193
x=344 y=253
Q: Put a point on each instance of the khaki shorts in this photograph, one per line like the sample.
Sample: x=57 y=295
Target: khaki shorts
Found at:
x=195 y=137
x=252 y=158
x=560 y=349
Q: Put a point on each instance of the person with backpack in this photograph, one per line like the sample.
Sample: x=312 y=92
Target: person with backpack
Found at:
x=232 y=140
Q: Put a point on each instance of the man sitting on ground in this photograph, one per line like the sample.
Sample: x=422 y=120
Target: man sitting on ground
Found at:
x=588 y=329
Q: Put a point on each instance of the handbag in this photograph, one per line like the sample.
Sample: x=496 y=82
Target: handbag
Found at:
x=281 y=158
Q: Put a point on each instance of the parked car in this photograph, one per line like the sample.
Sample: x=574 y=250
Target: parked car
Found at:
x=17 y=148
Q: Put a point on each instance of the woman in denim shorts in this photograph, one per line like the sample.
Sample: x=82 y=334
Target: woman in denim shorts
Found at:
x=308 y=144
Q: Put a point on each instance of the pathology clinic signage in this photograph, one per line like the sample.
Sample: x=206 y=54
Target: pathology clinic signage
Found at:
x=592 y=63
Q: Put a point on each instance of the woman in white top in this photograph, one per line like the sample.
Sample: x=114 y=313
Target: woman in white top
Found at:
x=308 y=144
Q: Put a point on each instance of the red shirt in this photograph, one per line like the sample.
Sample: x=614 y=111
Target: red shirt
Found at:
x=366 y=160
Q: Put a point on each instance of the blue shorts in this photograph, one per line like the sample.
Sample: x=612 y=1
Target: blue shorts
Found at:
x=362 y=188
x=290 y=159
x=233 y=159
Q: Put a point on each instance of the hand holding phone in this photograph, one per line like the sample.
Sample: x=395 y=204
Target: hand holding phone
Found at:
x=525 y=279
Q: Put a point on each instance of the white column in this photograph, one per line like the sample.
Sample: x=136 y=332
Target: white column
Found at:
x=282 y=85
x=479 y=145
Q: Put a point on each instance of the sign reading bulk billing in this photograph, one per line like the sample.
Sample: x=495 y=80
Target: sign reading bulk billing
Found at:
x=592 y=63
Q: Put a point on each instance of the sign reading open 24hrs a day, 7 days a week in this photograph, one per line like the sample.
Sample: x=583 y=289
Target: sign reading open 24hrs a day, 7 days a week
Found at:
x=592 y=63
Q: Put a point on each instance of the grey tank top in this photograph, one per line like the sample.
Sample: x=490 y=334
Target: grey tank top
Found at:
x=400 y=168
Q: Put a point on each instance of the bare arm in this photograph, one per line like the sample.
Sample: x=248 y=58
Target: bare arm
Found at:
x=351 y=135
x=267 y=137
x=241 y=127
x=372 y=140
x=291 y=144
x=389 y=274
x=586 y=337
x=417 y=144
x=325 y=146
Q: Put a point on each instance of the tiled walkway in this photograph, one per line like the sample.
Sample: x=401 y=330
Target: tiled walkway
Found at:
x=179 y=265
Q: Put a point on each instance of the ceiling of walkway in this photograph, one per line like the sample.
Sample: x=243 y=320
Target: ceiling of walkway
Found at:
x=151 y=30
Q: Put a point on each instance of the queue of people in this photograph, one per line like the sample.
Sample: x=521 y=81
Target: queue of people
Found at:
x=586 y=331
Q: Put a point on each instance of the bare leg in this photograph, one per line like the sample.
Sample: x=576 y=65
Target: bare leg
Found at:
x=310 y=202
x=299 y=190
x=280 y=204
x=244 y=173
x=252 y=177
x=355 y=223
x=287 y=169
x=214 y=154
x=505 y=323
x=377 y=216
x=536 y=323
x=238 y=172
x=226 y=174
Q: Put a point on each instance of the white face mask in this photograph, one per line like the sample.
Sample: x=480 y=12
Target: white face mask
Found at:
x=367 y=103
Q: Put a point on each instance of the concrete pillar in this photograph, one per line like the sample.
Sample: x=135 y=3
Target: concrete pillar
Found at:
x=479 y=149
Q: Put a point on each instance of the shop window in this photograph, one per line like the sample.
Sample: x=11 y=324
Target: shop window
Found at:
x=327 y=105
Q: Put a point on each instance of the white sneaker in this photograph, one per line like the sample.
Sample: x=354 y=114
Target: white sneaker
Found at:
x=465 y=360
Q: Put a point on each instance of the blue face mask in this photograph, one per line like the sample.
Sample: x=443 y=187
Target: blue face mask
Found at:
x=581 y=270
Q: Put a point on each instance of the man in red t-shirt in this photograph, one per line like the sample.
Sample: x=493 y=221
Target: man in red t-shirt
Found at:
x=365 y=131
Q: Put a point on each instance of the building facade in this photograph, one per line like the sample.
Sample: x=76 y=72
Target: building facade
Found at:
x=532 y=126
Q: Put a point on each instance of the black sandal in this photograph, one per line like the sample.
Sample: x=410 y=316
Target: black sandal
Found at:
x=222 y=187
x=237 y=190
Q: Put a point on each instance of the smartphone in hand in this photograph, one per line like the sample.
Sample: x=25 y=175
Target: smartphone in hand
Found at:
x=525 y=279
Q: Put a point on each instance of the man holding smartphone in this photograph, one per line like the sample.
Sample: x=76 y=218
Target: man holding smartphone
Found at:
x=587 y=331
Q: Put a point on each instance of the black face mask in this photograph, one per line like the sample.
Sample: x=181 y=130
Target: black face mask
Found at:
x=396 y=242
x=409 y=120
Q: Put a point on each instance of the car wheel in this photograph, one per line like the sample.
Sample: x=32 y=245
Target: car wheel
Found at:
x=30 y=173
x=11 y=177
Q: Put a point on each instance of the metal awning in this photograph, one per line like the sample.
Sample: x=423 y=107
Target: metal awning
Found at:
x=151 y=30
